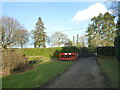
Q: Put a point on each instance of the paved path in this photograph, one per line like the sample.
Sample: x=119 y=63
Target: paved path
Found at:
x=85 y=73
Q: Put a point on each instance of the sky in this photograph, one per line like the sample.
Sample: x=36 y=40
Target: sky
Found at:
x=70 y=18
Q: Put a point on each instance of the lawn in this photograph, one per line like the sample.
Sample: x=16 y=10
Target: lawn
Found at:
x=37 y=58
x=46 y=52
x=36 y=77
x=110 y=66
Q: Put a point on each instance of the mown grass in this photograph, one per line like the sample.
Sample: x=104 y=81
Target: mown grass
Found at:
x=37 y=76
x=37 y=58
x=46 y=52
x=110 y=65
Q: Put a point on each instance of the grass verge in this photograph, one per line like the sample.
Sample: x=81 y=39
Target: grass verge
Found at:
x=37 y=76
x=110 y=65
x=30 y=58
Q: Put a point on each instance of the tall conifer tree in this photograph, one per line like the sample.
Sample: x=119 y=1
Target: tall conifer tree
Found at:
x=39 y=35
x=101 y=31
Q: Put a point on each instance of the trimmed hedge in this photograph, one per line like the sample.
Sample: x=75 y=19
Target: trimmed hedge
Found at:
x=65 y=50
x=117 y=47
x=105 y=51
x=87 y=50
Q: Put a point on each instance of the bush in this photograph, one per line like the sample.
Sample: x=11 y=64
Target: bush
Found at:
x=105 y=51
x=117 y=47
x=12 y=59
x=87 y=50
x=64 y=50
x=69 y=50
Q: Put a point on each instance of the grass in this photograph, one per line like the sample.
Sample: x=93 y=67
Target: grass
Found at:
x=46 y=52
x=30 y=58
x=110 y=65
x=36 y=77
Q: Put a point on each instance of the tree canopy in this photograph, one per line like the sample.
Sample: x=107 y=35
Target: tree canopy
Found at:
x=58 y=39
x=101 y=31
x=22 y=37
x=8 y=28
x=39 y=35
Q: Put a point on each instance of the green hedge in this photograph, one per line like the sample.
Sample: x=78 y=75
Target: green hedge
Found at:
x=105 y=51
x=87 y=50
x=117 y=47
x=65 y=50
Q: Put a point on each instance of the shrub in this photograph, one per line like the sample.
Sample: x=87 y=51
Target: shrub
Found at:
x=64 y=50
x=12 y=59
x=117 y=47
x=105 y=51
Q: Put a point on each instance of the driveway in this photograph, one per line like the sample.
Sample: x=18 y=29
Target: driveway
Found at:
x=84 y=73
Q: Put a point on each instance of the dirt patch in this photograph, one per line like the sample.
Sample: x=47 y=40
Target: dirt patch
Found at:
x=24 y=69
x=84 y=73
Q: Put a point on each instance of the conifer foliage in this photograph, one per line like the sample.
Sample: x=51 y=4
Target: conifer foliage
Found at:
x=101 y=31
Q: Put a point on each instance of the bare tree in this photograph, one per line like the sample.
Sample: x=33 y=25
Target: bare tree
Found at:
x=114 y=6
x=22 y=36
x=82 y=41
x=58 y=39
x=8 y=27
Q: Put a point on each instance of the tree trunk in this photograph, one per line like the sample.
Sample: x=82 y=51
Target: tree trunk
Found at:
x=21 y=45
x=34 y=45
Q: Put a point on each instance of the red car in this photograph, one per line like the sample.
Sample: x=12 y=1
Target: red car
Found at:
x=68 y=56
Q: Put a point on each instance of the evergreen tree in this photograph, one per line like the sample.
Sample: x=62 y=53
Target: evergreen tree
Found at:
x=117 y=39
x=39 y=35
x=118 y=26
x=101 y=31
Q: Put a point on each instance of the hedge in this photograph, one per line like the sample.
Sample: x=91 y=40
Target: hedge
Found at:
x=105 y=51
x=117 y=47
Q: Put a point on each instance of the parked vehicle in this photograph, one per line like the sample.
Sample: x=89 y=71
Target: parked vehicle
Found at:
x=68 y=56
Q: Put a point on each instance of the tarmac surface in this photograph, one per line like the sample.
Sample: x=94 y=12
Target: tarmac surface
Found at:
x=84 y=73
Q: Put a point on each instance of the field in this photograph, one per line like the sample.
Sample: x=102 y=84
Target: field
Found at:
x=110 y=66
x=36 y=77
